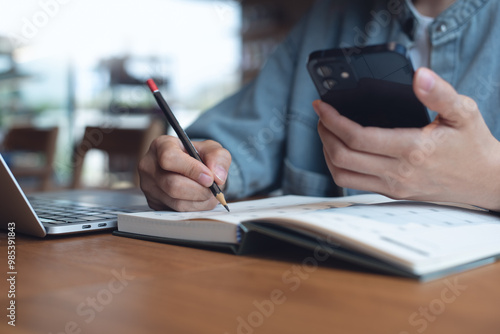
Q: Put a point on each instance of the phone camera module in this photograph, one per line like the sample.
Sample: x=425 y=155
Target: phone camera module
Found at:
x=324 y=71
x=329 y=83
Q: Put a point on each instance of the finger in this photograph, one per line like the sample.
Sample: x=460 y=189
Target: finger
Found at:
x=343 y=157
x=174 y=191
x=158 y=199
x=438 y=95
x=381 y=141
x=191 y=206
x=354 y=180
x=147 y=169
x=164 y=184
x=169 y=190
x=388 y=184
x=156 y=204
x=172 y=157
x=216 y=158
x=167 y=203
x=179 y=187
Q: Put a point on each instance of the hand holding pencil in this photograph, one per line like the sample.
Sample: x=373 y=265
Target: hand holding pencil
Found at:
x=172 y=178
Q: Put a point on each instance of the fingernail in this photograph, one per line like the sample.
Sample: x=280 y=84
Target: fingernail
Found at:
x=426 y=80
x=205 y=180
x=315 y=105
x=221 y=173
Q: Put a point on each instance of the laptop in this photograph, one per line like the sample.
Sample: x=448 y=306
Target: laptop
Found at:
x=62 y=212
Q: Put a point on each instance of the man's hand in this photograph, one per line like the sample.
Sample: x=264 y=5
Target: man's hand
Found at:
x=453 y=159
x=171 y=178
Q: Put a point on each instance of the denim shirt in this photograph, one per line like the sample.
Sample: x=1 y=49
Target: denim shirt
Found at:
x=270 y=127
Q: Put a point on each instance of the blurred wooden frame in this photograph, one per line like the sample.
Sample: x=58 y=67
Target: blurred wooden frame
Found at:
x=124 y=142
x=32 y=139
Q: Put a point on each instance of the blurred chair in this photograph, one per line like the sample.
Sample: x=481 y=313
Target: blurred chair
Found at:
x=124 y=146
x=33 y=140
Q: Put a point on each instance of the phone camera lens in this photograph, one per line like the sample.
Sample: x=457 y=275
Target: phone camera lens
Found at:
x=329 y=83
x=324 y=71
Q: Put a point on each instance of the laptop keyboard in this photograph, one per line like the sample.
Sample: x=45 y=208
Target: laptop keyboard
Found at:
x=67 y=212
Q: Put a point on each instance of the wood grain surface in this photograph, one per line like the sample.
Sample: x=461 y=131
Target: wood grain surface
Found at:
x=100 y=283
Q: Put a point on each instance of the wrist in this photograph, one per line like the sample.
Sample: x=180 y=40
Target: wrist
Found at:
x=488 y=195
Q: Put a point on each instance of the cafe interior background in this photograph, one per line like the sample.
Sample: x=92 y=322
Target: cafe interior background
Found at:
x=71 y=65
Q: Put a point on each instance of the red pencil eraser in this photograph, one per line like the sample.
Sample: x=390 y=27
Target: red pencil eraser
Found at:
x=152 y=85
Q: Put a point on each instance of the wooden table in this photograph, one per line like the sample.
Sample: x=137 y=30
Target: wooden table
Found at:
x=100 y=283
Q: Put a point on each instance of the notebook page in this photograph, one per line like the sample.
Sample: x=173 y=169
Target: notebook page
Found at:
x=422 y=237
x=220 y=226
x=273 y=206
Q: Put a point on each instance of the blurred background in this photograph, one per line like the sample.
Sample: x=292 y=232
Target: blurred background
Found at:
x=74 y=109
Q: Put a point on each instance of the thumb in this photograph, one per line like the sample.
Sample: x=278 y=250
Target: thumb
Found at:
x=439 y=96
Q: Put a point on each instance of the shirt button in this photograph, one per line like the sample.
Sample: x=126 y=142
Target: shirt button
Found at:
x=442 y=27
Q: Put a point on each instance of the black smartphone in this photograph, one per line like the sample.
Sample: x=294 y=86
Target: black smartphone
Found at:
x=371 y=85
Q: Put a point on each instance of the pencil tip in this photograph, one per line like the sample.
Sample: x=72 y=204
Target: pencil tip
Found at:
x=222 y=200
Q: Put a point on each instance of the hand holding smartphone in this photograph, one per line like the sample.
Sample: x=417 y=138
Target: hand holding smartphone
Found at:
x=371 y=85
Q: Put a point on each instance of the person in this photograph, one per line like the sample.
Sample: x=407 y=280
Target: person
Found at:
x=271 y=135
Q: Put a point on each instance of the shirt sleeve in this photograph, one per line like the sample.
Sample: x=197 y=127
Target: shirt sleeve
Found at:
x=252 y=124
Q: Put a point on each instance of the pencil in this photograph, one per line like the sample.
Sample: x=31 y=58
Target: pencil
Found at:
x=183 y=137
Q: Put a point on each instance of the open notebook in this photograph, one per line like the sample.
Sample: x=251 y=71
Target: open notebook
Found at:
x=415 y=239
